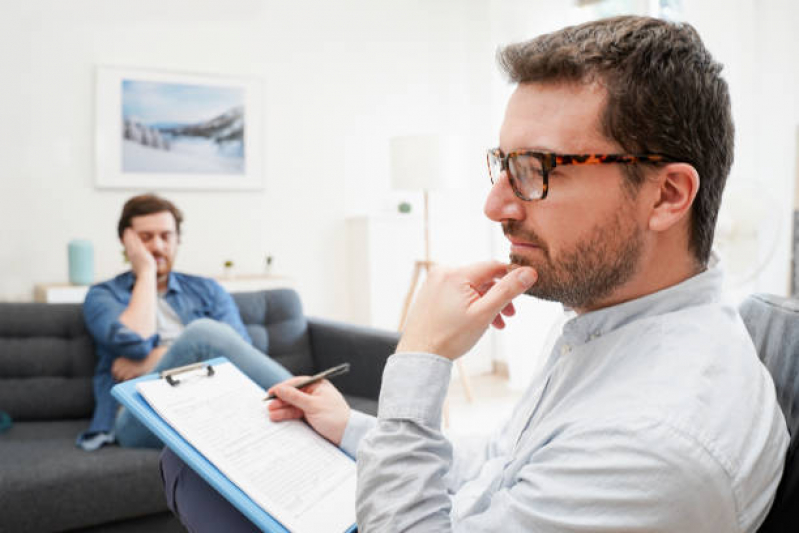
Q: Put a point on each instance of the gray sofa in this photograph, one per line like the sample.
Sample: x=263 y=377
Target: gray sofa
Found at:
x=47 y=361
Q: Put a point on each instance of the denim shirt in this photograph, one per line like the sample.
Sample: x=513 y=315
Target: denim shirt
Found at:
x=191 y=297
x=653 y=415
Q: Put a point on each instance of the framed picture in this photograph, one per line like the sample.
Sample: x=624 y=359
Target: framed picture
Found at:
x=158 y=130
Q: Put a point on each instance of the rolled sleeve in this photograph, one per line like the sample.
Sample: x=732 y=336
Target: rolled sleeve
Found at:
x=414 y=387
x=101 y=311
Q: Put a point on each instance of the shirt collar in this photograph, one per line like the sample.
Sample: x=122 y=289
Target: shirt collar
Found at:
x=700 y=289
x=172 y=284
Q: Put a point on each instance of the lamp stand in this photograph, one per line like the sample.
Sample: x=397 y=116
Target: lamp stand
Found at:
x=425 y=266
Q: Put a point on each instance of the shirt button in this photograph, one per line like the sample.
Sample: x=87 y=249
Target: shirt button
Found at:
x=565 y=349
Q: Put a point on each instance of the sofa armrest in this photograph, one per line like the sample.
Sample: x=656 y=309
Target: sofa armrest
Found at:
x=366 y=349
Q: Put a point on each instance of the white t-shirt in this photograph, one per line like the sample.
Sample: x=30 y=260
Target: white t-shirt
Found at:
x=168 y=322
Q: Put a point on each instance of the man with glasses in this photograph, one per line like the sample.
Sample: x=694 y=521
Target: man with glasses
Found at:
x=652 y=412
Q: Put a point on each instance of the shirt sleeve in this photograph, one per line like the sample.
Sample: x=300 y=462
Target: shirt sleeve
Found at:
x=101 y=311
x=224 y=309
x=613 y=475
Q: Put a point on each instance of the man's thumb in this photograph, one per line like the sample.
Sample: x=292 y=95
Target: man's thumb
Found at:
x=526 y=276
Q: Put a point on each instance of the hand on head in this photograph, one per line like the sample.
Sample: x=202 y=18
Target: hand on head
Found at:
x=455 y=306
x=140 y=258
x=320 y=404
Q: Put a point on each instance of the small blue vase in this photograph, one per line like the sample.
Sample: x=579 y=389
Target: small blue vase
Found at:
x=81 y=262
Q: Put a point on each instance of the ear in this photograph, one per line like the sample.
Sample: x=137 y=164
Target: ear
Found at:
x=677 y=185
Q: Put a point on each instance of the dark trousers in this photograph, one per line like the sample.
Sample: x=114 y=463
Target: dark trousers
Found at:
x=199 y=506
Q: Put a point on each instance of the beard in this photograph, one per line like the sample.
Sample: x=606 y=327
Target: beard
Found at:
x=163 y=268
x=591 y=270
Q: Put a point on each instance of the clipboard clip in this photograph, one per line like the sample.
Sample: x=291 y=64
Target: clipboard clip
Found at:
x=169 y=375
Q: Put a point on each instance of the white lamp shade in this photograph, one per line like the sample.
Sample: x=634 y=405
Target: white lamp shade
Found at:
x=424 y=162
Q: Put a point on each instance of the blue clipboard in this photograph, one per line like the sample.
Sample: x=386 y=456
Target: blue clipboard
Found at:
x=128 y=396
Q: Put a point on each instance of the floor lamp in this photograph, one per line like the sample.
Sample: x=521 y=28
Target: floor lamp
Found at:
x=420 y=163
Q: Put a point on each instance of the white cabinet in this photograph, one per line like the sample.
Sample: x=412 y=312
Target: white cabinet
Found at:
x=255 y=282
x=59 y=293
x=382 y=250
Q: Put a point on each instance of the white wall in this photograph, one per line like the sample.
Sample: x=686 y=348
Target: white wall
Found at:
x=340 y=78
x=757 y=43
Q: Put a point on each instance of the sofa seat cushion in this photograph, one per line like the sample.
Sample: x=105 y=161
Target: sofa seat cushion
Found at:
x=48 y=484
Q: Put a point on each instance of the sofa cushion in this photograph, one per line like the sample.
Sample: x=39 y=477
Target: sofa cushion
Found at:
x=47 y=360
x=48 y=484
x=772 y=322
x=278 y=327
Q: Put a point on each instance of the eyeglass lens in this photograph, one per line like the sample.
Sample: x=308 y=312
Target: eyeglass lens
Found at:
x=526 y=174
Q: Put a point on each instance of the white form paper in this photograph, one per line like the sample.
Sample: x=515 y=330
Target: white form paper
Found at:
x=301 y=479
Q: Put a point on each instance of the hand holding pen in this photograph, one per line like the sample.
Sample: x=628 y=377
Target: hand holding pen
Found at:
x=329 y=373
x=320 y=404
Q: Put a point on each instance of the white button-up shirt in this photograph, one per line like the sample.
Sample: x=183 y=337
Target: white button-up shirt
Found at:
x=654 y=415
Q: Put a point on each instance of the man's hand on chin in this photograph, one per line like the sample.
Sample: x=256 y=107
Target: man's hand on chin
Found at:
x=455 y=306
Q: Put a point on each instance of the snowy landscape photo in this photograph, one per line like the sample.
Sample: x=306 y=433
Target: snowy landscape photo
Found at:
x=159 y=130
x=182 y=128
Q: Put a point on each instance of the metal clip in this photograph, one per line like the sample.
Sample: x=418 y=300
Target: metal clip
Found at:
x=168 y=374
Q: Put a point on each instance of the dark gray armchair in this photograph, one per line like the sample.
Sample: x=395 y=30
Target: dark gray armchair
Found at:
x=773 y=323
x=306 y=345
x=47 y=361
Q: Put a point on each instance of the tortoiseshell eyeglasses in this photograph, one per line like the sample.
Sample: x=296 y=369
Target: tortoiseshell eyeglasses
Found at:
x=528 y=171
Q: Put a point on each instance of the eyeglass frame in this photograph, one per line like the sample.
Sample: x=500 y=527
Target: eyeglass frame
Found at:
x=550 y=160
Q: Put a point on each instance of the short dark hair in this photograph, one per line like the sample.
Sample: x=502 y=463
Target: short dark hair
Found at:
x=147 y=204
x=665 y=95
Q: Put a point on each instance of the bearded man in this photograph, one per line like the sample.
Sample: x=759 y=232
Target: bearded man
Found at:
x=653 y=412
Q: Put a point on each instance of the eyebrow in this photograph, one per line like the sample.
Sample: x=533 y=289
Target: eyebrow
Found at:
x=149 y=232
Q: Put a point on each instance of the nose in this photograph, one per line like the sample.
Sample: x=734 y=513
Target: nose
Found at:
x=502 y=203
x=157 y=244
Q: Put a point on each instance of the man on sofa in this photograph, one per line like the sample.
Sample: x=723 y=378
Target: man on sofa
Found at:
x=152 y=318
x=652 y=412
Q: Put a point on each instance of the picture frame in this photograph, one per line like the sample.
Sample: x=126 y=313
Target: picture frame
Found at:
x=159 y=130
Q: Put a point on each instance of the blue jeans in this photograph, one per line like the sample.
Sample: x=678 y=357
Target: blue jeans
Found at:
x=203 y=339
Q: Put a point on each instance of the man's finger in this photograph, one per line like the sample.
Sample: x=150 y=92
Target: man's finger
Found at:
x=286 y=413
x=498 y=322
x=293 y=396
x=276 y=404
x=505 y=290
x=480 y=274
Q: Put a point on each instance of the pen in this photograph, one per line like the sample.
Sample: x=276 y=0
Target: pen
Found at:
x=329 y=373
